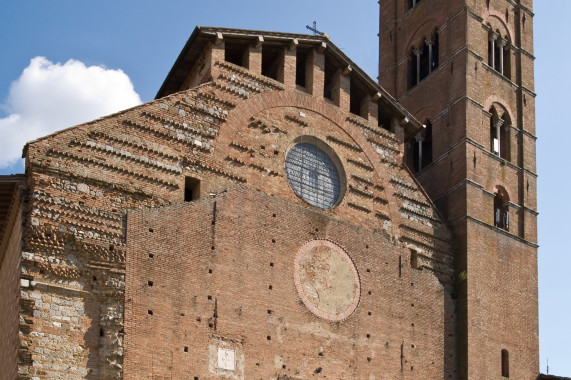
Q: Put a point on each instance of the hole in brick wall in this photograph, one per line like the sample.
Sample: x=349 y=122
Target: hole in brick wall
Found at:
x=320 y=354
x=182 y=314
x=367 y=246
x=210 y=271
x=195 y=377
x=101 y=332
x=283 y=366
x=151 y=255
x=151 y=230
x=269 y=311
x=370 y=292
x=411 y=368
x=411 y=305
x=210 y=325
x=276 y=152
x=368 y=270
x=272 y=62
x=358 y=102
x=269 y=337
x=412 y=324
x=209 y=297
x=270 y=287
x=198 y=319
x=412 y=284
x=212 y=248
x=150 y=312
x=328 y=79
x=111 y=248
x=414 y=262
x=191 y=189
x=412 y=345
x=273 y=215
x=274 y=241
x=235 y=54
x=257 y=364
x=150 y=283
x=505 y=363
x=301 y=62
x=272 y=265
x=368 y=336
x=94 y=278
x=369 y=313
x=317 y=230
x=263 y=147
x=368 y=359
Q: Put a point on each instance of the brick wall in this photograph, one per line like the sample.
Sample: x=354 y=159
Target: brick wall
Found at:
x=227 y=281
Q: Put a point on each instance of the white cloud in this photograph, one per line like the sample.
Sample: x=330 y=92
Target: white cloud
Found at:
x=48 y=97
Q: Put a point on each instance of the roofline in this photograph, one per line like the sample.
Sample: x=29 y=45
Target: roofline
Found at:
x=212 y=32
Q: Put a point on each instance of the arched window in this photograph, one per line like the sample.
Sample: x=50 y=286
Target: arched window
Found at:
x=501 y=209
x=499 y=57
x=423 y=60
x=499 y=134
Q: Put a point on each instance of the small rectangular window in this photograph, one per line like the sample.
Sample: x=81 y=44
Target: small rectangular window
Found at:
x=191 y=189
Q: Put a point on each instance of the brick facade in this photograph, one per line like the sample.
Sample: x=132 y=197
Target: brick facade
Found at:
x=165 y=241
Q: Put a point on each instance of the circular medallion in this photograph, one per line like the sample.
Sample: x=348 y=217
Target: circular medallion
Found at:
x=313 y=174
x=327 y=280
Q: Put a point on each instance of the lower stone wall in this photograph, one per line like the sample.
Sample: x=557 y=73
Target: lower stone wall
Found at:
x=10 y=295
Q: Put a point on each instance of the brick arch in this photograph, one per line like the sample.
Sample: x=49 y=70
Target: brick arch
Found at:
x=426 y=112
x=240 y=117
x=494 y=100
x=424 y=31
x=494 y=19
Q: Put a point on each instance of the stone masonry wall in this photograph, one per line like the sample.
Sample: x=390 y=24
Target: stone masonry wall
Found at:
x=10 y=287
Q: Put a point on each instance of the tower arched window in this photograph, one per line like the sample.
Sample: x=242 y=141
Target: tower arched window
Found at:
x=499 y=134
x=501 y=209
x=423 y=60
x=499 y=57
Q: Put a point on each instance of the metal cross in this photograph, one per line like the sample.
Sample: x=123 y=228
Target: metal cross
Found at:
x=314 y=29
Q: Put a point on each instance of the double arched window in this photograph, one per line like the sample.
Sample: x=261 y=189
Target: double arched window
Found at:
x=423 y=59
x=500 y=133
x=499 y=53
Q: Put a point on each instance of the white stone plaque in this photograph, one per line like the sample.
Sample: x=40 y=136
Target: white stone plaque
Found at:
x=226 y=359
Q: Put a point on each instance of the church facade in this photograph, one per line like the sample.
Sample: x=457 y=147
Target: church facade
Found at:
x=276 y=213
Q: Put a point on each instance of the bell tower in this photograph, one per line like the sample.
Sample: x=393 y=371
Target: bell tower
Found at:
x=464 y=68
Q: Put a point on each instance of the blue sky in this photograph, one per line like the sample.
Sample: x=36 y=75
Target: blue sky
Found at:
x=143 y=38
